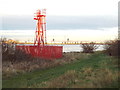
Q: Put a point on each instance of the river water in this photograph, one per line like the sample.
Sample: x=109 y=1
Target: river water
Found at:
x=76 y=48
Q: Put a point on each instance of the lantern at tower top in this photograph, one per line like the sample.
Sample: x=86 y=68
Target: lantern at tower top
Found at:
x=40 y=13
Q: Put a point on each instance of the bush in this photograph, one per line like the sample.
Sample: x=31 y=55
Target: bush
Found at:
x=112 y=48
x=10 y=53
x=7 y=49
x=20 y=55
x=89 y=47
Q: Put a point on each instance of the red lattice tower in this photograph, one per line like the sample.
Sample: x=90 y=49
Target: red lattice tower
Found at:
x=40 y=38
x=40 y=50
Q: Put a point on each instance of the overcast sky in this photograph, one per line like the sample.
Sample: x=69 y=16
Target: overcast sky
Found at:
x=62 y=15
x=60 y=7
x=60 y=22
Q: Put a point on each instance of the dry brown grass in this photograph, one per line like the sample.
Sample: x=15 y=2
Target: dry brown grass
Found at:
x=97 y=79
x=62 y=81
x=85 y=78
x=22 y=66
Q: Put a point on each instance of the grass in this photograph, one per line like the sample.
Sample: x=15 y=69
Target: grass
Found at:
x=11 y=68
x=85 y=78
x=94 y=70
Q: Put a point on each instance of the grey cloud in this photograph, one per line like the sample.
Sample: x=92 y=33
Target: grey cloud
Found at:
x=60 y=22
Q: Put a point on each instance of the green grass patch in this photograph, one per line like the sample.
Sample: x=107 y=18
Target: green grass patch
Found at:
x=38 y=78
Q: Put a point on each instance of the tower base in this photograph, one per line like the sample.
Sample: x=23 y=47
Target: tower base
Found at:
x=44 y=52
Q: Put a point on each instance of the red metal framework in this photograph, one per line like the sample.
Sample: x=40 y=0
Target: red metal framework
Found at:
x=40 y=49
x=40 y=16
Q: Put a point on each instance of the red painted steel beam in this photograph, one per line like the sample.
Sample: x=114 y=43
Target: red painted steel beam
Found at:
x=40 y=28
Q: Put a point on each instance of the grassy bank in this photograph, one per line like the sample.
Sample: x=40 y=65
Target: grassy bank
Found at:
x=84 y=70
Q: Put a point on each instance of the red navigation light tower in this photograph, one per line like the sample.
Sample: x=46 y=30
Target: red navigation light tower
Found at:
x=40 y=50
x=40 y=38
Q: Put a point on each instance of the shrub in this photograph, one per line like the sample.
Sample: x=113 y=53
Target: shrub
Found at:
x=112 y=48
x=89 y=47
x=9 y=51
x=20 y=55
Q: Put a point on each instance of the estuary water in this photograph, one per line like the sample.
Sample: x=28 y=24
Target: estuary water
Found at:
x=75 y=48
x=78 y=48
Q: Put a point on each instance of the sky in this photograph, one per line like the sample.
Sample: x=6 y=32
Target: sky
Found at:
x=60 y=7
x=65 y=18
x=60 y=22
